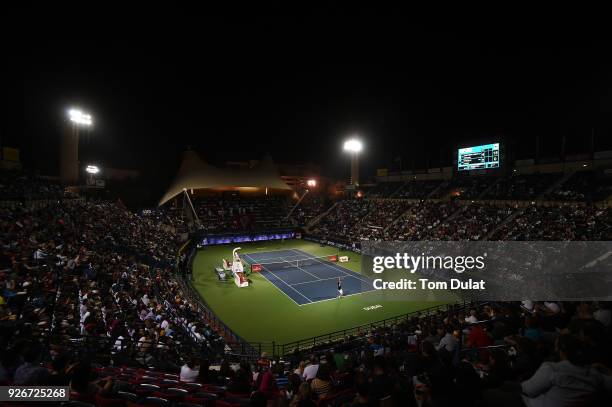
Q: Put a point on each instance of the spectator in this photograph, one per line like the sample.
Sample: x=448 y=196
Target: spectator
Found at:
x=569 y=382
x=322 y=385
x=30 y=372
x=304 y=397
x=310 y=371
x=189 y=371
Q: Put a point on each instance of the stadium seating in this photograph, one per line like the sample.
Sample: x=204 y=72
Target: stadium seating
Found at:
x=235 y=213
x=418 y=189
x=97 y=284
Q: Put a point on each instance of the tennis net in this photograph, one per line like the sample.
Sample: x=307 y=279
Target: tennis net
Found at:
x=293 y=263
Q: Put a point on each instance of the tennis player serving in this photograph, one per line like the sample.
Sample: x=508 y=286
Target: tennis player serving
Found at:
x=340 y=292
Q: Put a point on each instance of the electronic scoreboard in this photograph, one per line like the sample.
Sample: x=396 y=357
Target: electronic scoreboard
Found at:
x=481 y=157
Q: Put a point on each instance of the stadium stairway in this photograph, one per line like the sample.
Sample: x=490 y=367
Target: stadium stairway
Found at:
x=392 y=195
x=437 y=189
x=400 y=216
x=318 y=218
x=509 y=219
x=490 y=188
x=520 y=211
x=557 y=184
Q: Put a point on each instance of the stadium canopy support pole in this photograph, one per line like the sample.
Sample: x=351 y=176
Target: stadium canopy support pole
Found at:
x=195 y=215
x=296 y=205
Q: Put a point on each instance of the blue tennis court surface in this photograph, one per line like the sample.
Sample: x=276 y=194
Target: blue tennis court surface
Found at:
x=307 y=279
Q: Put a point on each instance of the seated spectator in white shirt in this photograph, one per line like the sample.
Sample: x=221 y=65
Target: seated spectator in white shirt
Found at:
x=472 y=319
x=310 y=371
x=189 y=371
x=448 y=342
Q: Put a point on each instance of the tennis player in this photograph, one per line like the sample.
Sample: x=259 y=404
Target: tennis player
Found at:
x=340 y=292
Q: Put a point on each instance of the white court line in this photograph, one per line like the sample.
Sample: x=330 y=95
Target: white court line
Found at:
x=269 y=251
x=275 y=286
x=298 y=267
x=338 y=299
x=314 y=281
x=333 y=266
x=338 y=268
x=285 y=284
x=267 y=259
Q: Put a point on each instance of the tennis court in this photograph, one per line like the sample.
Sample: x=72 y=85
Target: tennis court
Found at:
x=307 y=279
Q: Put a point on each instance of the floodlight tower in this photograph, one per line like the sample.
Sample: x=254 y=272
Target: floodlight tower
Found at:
x=69 y=153
x=354 y=147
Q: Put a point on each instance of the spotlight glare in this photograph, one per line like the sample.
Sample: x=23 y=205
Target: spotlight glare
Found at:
x=78 y=117
x=92 y=169
x=353 y=145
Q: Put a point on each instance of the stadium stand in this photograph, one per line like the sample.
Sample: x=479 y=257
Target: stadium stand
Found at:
x=232 y=213
x=310 y=207
x=384 y=190
x=91 y=298
x=584 y=186
x=418 y=189
x=465 y=187
x=522 y=186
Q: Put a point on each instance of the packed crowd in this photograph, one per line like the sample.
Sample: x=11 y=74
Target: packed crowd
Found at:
x=588 y=186
x=419 y=220
x=567 y=222
x=234 y=213
x=91 y=280
x=20 y=185
x=419 y=189
x=311 y=206
x=342 y=218
x=465 y=187
x=583 y=186
x=355 y=220
x=382 y=213
x=522 y=186
x=479 y=354
x=490 y=354
x=471 y=222
x=86 y=284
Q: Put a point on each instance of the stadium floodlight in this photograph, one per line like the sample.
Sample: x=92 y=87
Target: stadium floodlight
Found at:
x=79 y=117
x=311 y=182
x=92 y=169
x=353 y=145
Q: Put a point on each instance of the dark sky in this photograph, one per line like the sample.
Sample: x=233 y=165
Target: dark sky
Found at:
x=236 y=87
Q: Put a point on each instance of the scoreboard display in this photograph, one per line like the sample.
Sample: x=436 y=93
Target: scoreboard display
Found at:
x=481 y=157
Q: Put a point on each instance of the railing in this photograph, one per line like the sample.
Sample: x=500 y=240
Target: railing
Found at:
x=333 y=338
x=238 y=347
x=235 y=345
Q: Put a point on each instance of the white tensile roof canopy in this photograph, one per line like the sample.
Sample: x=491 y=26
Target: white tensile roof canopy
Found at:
x=195 y=173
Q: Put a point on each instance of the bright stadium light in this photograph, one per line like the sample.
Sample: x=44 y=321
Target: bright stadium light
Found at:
x=78 y=117
x=311 y=182
x=92 y=169
x=353 y=145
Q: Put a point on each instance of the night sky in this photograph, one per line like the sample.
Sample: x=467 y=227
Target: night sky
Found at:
x=296 y=86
